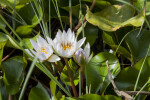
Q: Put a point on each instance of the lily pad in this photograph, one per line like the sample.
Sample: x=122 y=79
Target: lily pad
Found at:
x=97 y=73
x=13 y=74
x=115 y=17
x=127 y=77
x=138 y=45
x=38 y=93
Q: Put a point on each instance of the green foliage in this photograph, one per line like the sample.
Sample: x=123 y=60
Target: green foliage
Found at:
x=138 y=43
x=127 y=77
x=39 y=93
x=117 y=30
x=75 y=74
x=97 y=73
x=13 y=75
x=115 y=17
x=94 y=97
x=3 y=41
x=53 y=88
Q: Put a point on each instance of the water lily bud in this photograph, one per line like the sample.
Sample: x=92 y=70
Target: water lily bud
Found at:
x=80 y=57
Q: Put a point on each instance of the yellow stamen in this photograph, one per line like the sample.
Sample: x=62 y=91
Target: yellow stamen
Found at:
x=43 y=50
x=66 y=46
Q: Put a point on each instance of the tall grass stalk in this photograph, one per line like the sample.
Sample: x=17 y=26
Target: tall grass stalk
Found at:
x=27 y=78
x=141 y=89
x=70 y=13
x=81 y=18
x=49 y=13
x=137 y=80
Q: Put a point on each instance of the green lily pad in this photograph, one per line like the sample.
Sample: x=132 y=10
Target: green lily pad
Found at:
x=3 y=41
x=13 y=74
x=24 y=30
x=138 y=45
x=127 y=77
x=97 y=73
x=30 y=15
x=38 y=93
x=115 y=17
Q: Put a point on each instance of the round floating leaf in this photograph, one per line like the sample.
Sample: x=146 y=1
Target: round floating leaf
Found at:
x=24 y=30
x=127 y=77
x=30 y=16
x=13 y=69
x=97 y=73
x=38 y=93
x=15 y=87
x=138 y=45
x=13 y=74
x=91 y=33
x=115 y=17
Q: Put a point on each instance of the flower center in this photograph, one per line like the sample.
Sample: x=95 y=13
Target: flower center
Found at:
x=66 y=46
x=43 y=50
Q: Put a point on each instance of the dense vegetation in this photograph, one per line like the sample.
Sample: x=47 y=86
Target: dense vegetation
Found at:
x=74 y=49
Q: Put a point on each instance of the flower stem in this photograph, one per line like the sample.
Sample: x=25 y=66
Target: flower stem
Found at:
x=71 y=79
x=82 y=73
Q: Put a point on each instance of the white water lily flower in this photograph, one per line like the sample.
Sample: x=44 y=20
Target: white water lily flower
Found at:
x=65 y=43
x=82 y=57
x=42 y=50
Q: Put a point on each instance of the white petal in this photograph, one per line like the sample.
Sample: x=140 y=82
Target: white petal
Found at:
x=49 y=40
x=87 y=49
x=34 y=44
x=58 y=35
x=90 y=57
x=49 y=50
x=80 y=42
x=69 y=31
x=64 y=36
x=53 y=58
x=41 y=42
x=42 y=56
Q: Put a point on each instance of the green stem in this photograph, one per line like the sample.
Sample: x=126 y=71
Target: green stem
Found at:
x=141 y=69
x=81 y=19
x=82 y=74
x=27 y=78
x=141 y=89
